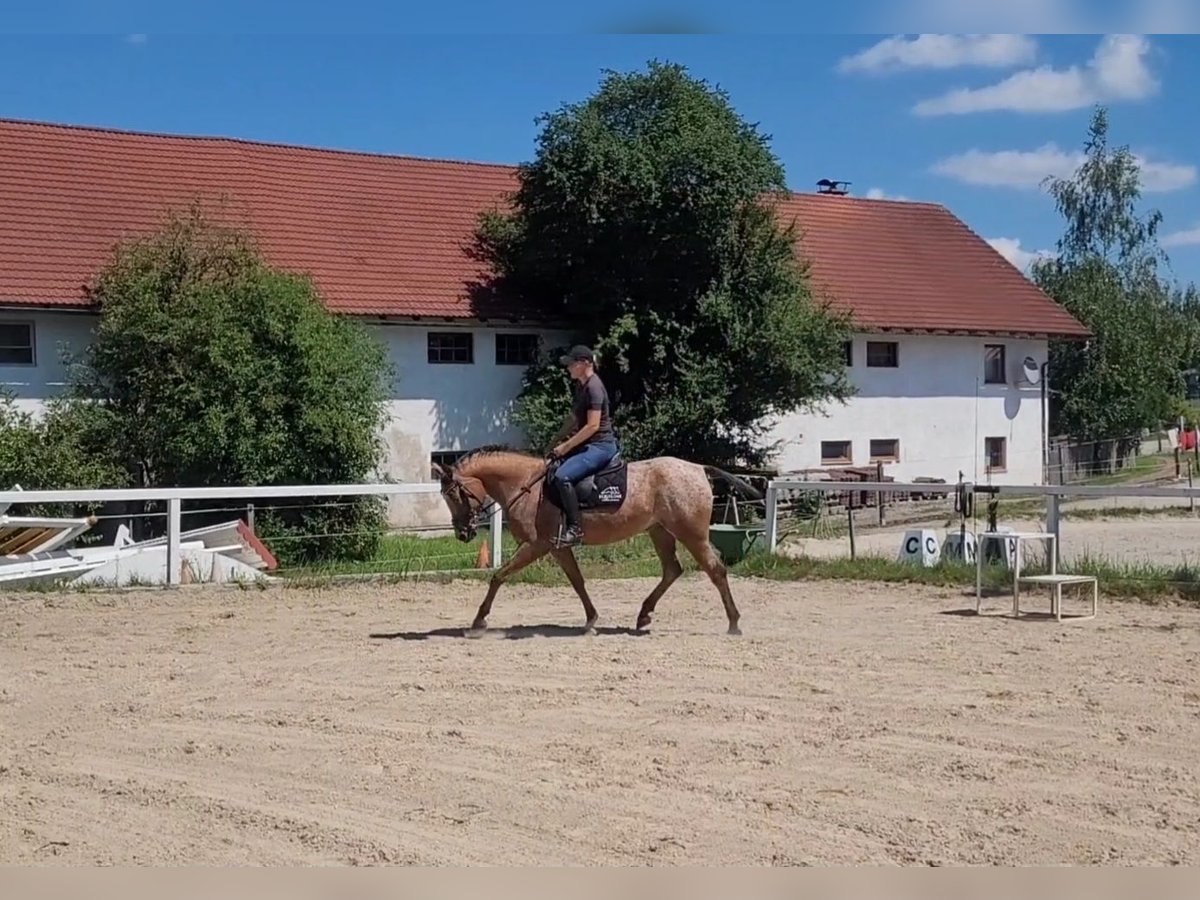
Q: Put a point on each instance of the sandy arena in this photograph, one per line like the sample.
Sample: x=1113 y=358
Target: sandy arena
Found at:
x=850 y=724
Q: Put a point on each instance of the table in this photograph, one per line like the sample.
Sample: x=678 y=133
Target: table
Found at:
x=1019 y=536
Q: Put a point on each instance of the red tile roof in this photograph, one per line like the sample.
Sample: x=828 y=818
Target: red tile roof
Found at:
x=900 y=265
x=388 y=235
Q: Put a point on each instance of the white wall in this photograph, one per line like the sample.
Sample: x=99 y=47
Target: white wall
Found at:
x=52 y=333
x=936 y=403
x=445 y=406
x=434 y=407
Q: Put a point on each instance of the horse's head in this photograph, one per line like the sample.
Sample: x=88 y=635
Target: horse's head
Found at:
x=463 y=500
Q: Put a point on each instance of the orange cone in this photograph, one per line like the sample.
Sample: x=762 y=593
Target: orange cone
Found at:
x=484 y=560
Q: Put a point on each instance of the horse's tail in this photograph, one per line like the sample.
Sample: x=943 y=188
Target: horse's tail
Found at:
x=743 y=487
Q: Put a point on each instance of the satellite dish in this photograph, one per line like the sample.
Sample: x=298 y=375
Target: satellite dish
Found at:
x=1031 y=373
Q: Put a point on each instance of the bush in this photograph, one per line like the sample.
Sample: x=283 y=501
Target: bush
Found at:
x=210 y=367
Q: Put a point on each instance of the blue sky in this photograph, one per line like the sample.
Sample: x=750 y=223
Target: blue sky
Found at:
x=972 y=122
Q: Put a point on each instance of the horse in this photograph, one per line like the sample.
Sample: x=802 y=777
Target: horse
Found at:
x=669 y=498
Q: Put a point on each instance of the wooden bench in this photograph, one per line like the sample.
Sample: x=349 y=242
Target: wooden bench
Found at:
x=1055 y=582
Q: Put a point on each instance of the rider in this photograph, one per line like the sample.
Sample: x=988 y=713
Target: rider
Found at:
x=592 y=443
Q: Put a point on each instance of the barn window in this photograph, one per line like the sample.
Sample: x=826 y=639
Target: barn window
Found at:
x=835 y=452
x=516 y=349
x=445 y=457
x=885 y=449
x=883 y=354
x=16 y=344
x=993 y=364
x=996 y=451
x=451 y=347
x=848 y=352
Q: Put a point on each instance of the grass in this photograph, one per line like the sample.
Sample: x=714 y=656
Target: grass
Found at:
x=1142 y=467
x=445 y=558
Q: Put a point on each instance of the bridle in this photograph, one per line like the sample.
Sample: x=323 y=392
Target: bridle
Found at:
x=484 y=509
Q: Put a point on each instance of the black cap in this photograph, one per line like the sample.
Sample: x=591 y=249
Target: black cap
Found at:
x=577 y=353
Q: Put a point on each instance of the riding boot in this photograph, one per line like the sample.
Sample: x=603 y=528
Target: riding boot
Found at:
x=572 y=533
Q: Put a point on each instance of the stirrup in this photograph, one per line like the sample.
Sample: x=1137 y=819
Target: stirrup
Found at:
x=567 y=538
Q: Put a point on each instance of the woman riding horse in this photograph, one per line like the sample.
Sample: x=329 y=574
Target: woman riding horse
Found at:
x=592 y=442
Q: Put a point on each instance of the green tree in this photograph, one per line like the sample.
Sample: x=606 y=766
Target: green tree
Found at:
x=1128 y=377
x=53 y=451
x=210 y=367
x=647 y=221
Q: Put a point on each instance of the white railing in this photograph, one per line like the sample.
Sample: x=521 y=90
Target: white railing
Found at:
x=1054 y=494
x=174 y=496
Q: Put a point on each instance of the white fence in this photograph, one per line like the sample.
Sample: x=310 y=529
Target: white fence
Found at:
x=174 y=497
x=1054 y=494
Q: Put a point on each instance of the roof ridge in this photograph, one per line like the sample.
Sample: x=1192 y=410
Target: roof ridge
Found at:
x=254 y=142
x=844 y=198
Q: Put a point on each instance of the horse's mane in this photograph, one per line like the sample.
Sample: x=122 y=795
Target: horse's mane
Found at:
x=490 y=450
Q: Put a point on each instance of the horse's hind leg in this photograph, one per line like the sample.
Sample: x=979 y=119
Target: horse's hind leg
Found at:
x=566 y=559
x=710 y=562
x=664 y=546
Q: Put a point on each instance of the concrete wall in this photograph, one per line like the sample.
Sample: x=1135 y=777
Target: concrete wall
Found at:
x=936 y=404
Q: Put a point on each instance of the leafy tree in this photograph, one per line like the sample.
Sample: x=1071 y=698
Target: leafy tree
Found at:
x=648 y=222
x=1128 y=377
x=52 y=451
x=210 y=367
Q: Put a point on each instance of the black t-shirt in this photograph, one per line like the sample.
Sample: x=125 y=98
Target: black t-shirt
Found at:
x=592 y=395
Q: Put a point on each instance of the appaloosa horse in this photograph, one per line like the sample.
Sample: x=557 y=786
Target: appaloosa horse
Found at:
x=669 y=498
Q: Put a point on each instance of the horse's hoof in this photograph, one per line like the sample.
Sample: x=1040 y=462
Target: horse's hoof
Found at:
x=477 y=630
x=642 y=624
x=734 y=630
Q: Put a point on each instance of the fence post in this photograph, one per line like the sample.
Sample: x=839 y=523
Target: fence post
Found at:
x=1052 y=526
x=880 y=495
x=250 y=517
x=174 y=514
x=772 y=518
x=1192 y=498
x=495 y=535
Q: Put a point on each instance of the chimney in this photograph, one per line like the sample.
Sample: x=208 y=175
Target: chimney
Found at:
x=835 y=188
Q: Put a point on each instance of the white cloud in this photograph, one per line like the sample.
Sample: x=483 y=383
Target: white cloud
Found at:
x=1040 y=16
x=1011 y=249
x=1189 y=237
x=1009 y=168
x=942 y=51
x=1117 y=71
x=1028 y=169
x=876 y=193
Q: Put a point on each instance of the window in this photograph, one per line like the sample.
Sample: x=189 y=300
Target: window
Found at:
x=993 y=364
x=445 y=457
x=848 y=352
x=835 y=452
x=451 y=347
x=995 y=452
x=16 y=344
x=885 y=449
x=516 y=349
x=883 y=354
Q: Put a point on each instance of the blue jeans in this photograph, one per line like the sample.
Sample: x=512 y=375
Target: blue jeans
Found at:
x=587 y=460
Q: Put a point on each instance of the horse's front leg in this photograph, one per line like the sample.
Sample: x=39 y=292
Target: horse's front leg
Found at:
x=526 y=554
x=566 y=559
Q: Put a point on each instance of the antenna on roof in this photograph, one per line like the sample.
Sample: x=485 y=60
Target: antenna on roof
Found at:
x=837 y=188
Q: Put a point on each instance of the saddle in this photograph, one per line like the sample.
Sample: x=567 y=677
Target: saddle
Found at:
x=604 y=491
